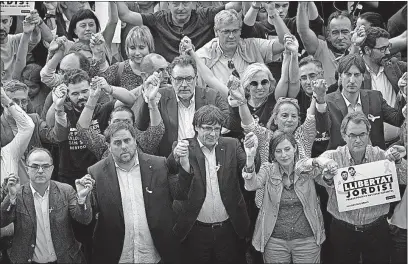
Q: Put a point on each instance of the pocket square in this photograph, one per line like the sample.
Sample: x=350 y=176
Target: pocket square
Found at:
x=372 y=118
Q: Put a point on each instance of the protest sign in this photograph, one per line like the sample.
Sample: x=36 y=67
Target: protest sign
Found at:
x=16 y=8
x=366 y=185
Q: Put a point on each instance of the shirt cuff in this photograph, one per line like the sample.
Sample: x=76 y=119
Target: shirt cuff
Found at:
x=321 y=107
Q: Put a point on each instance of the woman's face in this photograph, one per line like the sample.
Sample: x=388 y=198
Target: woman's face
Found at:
x=285 y=153
x=287 y=118
x=85 y=28
x=259 y=86
x=137 y=51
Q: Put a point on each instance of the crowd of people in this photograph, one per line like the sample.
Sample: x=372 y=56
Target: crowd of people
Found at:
x=212 y=133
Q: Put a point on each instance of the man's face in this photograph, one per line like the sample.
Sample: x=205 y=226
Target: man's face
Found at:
x=356 y=137
x=78 y=94
x=344 y=175
x=122 y=146
x=39 y=167
x=19 y=97
x=380 y=54
x=352 y=171
x=159 y=65
x=351 y=80
x=309 y=73
x=229 y=36
x=69 y=62
x=181 y=11
x=5 y=25
x=33 y=88
x=282 y=8
x=208 y=134
x=121 y=116
x=339 y=33
x=75 y=6
x=184 y=81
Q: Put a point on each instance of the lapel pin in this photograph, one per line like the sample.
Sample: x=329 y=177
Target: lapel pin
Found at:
x=50 y=210
x=147 y=190
x=372 y=118
x=218 y=167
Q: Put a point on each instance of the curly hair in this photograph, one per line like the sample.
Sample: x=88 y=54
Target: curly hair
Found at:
x=373 y=33
x=208 y=115
x=281 y=101
x=182 y=61
x=74 y=76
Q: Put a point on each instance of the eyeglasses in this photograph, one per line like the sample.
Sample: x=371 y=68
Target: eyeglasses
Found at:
x=209 y=129
x=37 y=167
x=312 y=76
x=354 y=136
x=263 y=82
x=231 y=66
x=227 y=32
x=180 y=80
x=384 y=48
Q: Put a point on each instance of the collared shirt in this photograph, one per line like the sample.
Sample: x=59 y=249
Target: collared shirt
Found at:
x=213 y=209
x=44 y=248
x=380 y=82
x=248 y=51
x=350 y=108
x=185 y=119
x=138 y=246
x=364 y=215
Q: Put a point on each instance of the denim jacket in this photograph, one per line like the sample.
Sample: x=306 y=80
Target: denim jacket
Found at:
x=270 y=176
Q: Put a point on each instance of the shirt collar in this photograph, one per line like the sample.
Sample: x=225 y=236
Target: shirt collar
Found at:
x=136 y=158
x=202 y=145
x=34 y=191
x=192 y=100
x=348 y=102
x=350 y=158
x=381 y=70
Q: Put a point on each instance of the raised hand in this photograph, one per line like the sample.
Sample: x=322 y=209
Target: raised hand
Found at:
x=58 y=44
x=331 y=168
x=28 y=26
x=402 y=84
x=35 y=18
x=13 y=185
x=236 y=91
x=99 y=84
x=319 y=88
x=97 y=44
x=271 y=10
x=395 y=153
x=186 y=46
x=84 y=186
x=59 y=95
x=152 y=85
x=358 y=35
x=181 y=150
x=5 y=100
x=291 y=44
x=251 y=144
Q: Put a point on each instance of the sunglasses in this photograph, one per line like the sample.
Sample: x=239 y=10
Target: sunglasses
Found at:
x=231 y=66
x=263 y=82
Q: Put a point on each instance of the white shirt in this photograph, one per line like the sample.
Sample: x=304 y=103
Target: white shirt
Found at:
x=357 y=107
x=185 y=119
x=213 y=209
x=44 y=248
x=138 y=246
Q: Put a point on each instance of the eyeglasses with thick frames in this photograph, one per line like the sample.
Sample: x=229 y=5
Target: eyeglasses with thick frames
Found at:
x=36 y=167
x=354 y=136
x=384 y=48
x=263 y=83
x=209 y=129
x=180 y=80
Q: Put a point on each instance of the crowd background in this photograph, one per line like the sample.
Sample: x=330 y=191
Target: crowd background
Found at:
x=200 y=89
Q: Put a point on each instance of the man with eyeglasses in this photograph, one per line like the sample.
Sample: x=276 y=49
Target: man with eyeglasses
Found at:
x=360 y=233
x=42 y=211
x=229 y=53
x=383 y=72
x=212 y=223
x=178 y=104
x=170 y=26
x=351 y=98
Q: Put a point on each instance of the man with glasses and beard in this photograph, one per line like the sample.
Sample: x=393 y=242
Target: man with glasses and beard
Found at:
x=383 y=72
x=178 y=103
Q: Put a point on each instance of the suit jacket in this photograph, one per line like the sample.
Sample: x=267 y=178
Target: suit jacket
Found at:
x=231 y=158
x=159 y=190
x=65 y=209
x=169 y=112
x=373 y=105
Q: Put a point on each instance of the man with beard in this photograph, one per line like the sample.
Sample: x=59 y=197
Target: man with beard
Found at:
x=170 y=26
x=332 y=108
x=338 y=39
x=382 y=72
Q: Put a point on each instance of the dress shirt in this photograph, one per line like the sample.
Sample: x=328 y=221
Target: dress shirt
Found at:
x=213 y=209
x=44 y=248
x=380 y=82
x=138 y=246
x=350 y=108
x=364 y=215
x=185 y=119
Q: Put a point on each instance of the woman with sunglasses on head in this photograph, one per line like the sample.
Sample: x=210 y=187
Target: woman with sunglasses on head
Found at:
x=289 y=227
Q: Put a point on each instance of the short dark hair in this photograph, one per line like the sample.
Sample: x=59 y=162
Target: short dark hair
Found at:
x=208 y=115
x=339 y=14
x=351 y=168
x=373 y=33
x=79 y=16
x=123 y=108
x=31 y=72
x=37 y=149
x=310 y=59
x=375 y=19
x=277 y=138
x=115 y=127
x=84 y=63
x=344 y=172
x=183 y=61
x=347 y=61
x=74 y=76
x=355 y=117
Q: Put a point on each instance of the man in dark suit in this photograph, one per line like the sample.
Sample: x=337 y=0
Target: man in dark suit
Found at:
x=213 y=221
x=178 y=104
x=332 y=108
x=42 y=212
x=133 y=198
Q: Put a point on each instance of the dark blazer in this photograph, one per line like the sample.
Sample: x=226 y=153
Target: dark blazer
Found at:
x=65 y=209
x=231 y=158
x=169 y=112
x=159 y=190
x=373 y=104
